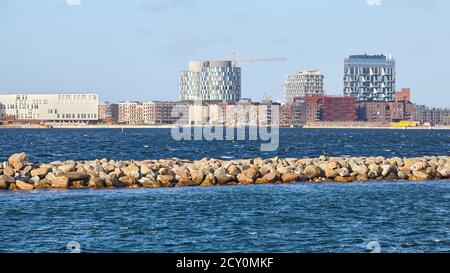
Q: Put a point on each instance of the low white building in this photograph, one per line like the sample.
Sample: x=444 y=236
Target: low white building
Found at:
x=63 y=107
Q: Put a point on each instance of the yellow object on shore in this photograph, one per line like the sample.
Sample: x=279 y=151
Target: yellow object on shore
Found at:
x=405 y=123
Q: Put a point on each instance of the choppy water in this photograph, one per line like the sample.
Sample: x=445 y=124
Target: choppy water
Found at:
x=400 y=216
x=64 y=144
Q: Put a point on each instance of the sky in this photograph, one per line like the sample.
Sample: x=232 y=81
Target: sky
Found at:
x=135 y=49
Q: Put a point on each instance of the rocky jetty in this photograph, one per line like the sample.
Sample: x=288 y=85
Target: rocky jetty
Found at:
x=19 y=174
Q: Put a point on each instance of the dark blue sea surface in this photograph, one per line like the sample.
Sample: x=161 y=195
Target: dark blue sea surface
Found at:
x=400 y=217
x=64 y=144
x=302 y=217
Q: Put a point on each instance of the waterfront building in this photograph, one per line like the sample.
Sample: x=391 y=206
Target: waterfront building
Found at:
x=210 y=81
x=401 y=109
x=293 y=113
x=304 y=83
x=370 y=77
x=330 y=108
x=432 y=116
x=403 y=95
x=299 y=112
x=149 y=112
x=129 y=112
x=160 y=112
x=108 y=112
x=58 y=107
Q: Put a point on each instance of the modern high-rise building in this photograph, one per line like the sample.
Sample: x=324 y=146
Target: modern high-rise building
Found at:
x=304 y=83
x=370 y=77
x=210 y=81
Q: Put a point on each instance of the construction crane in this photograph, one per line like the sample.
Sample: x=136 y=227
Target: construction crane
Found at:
x=268 y=95
x=235 y=59
x=255 y=59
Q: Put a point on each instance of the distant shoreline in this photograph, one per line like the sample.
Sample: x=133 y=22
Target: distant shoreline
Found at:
x=172 y=126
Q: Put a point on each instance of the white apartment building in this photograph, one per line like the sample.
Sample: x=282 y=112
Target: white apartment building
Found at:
x=62 y=107
x=304 y=83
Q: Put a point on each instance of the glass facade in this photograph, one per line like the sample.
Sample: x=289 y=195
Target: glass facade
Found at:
x=370 y=77
x=214 y=81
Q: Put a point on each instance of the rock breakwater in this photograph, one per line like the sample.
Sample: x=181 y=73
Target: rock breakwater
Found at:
x=19 y=174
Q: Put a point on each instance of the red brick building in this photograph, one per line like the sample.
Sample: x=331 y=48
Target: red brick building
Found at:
x=401 y=109
x=330 y=108
x=403 y=95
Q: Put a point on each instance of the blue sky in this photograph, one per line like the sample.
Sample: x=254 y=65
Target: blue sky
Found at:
x=135 y=49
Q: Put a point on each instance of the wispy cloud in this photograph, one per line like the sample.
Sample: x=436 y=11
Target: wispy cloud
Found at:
x=73 y=2
x=408 y=3
x=161 y=6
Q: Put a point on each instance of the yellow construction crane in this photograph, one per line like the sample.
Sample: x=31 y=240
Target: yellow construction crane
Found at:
x=255 y=59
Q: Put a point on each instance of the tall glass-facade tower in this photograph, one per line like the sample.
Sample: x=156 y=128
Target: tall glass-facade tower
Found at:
x=210 y=81
x=370 y=77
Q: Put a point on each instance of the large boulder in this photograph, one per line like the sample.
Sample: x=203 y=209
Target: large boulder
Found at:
x=444 y=172
x=386 y=169
x=182 y=173
x=233 y=170
x=127 y=180
x=223 y=179
x=271 y=177
x=149 y=183
x=42 y=184
x=251 y=172
x=362 y=177
x=166 y=171
x=418 y=166
x=290 y=177
x=210 y=180
x=312 y=171
x=360 y=169
x=96 y=182
x=41 y=172
x=118 y=184
x=5 y=180
x=60 y=182
x=77 y=176
x=9 y=171
x=330 y=173
x=166 y=180
x=344 y=172
x=222 y=176
x=26 y=170
x=420 y=175
x=243 y=179
x=183 y=182
x=343 y=179
x=77 y=184
x=24 y=185
x=18 y=161
x=145 y=169
x=132 y=171
x=66 y=168
x=197 y=176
